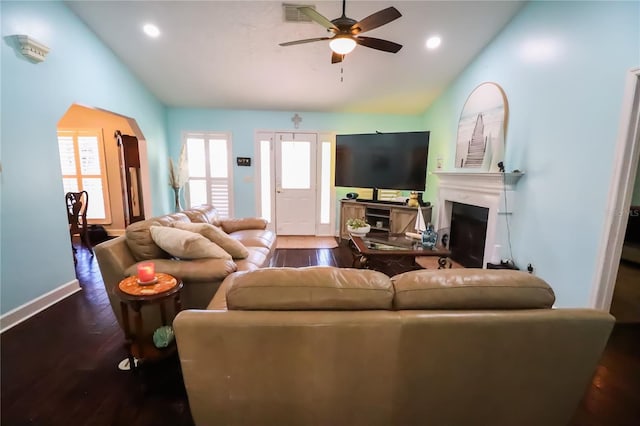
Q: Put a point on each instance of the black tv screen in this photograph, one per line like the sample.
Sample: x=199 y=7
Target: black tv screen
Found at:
x=382 y=160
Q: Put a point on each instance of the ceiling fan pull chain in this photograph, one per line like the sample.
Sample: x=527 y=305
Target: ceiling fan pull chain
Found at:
x=341 y=74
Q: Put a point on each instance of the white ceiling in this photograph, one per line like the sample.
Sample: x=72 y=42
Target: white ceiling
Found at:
x=225 y=54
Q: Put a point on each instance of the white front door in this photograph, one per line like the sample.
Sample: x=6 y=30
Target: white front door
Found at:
x=295 y=196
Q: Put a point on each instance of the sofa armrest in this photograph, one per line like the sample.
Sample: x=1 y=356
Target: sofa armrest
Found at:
x=191 y=270
x=219 y=300
x=114 y=257
x=232 y=225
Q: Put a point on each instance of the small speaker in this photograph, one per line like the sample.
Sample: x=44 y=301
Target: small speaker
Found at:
x=352 y=195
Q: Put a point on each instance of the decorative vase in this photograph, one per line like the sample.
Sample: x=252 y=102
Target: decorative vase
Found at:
x=359 y=232
x=163 y=336
x=176 y=197
x=429 y=237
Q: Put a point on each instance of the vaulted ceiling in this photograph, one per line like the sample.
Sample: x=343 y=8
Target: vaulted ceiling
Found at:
x=226 y=54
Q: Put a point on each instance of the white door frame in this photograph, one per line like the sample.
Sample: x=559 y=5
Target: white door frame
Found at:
x=327 y=229
x=258 y=137
x=295 y=207
x=321 y=137
x=620 y=189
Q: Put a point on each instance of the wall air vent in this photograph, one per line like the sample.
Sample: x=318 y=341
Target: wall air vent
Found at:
x=292 y=14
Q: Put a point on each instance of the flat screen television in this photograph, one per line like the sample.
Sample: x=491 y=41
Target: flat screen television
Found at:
x=382 y=160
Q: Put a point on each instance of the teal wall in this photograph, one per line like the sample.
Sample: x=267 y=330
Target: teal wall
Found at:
x=244 y=124
x=564 y=115
x=564 y=109
x=35 y=248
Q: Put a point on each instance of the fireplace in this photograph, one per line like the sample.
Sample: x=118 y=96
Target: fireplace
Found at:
x=483 y=190
x=468 y=234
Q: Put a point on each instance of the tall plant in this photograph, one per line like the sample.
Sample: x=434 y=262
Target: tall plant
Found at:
x=178 y=175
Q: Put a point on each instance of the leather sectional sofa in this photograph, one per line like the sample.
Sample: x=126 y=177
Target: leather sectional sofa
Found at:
x=332 y=346
x=118 y=258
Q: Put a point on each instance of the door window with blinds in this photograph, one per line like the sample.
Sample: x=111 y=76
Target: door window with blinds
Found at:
x=82 y=161
x=210 y=171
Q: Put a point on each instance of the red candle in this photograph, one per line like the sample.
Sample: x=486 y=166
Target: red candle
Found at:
x=146 y=271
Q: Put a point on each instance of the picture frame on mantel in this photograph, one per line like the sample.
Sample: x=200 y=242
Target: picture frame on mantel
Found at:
x=480 y=143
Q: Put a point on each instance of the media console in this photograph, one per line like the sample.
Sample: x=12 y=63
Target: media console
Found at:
x=385 y=217
x=395 y=203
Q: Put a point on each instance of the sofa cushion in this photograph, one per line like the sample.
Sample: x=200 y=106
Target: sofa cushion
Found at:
x=139 y=238
x=216 y=235
x=255 y=238
x=238 y=224
x=186 y=244
x=471 y=289
x=309 y=288
x=258 y=257
x=203 y=214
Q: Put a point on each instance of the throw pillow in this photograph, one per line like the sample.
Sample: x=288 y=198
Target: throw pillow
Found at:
x=185 y=244
x=308 y=288
x=471 y=288
x=216 y=235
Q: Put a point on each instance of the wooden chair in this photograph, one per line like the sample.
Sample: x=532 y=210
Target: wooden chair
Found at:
x=77 y=203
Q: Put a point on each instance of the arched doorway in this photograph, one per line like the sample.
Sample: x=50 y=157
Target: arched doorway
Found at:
x=79 y=120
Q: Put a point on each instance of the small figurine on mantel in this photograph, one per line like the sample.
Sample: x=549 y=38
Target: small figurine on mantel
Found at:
x=413 y=199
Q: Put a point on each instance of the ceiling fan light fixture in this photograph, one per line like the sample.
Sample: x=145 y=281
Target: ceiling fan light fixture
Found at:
x=433 y=42
x=347 y=31
x=151 y=30
x=342 y=45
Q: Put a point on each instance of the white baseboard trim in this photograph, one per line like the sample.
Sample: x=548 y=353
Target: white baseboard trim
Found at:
x=39 y=304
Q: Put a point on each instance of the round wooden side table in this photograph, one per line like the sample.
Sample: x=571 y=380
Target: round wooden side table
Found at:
x=132 y=297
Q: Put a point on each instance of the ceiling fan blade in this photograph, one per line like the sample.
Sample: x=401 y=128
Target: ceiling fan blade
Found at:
x=376 y=43
x=308 y=40
x=336 y=57
x=376 y=20
x=311 y=13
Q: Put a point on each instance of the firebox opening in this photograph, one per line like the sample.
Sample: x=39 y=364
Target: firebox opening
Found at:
x=468 y=234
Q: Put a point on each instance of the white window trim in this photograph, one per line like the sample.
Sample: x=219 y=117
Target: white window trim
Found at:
x=260 y=136
x=327 y=229
x=74 y=133
x=230 y=186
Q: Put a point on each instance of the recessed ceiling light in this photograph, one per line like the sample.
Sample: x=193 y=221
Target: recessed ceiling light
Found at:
x=433 y=42
x=151 y=30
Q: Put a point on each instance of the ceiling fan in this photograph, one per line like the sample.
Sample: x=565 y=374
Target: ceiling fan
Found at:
x=347 y=31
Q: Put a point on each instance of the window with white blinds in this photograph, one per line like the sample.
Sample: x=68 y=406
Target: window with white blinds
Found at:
x=83 y=166
x=210 y=171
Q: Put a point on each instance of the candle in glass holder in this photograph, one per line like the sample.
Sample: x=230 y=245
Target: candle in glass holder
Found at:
x=146 y=272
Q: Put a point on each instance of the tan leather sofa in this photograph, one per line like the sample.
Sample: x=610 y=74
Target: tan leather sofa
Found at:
x=118 y=258
x=330 y=346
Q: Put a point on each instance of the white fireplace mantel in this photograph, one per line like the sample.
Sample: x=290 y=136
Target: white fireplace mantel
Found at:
x=482 y=189
x=481 y=179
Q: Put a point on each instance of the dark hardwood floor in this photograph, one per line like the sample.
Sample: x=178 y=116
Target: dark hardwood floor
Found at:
x=60 y=367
